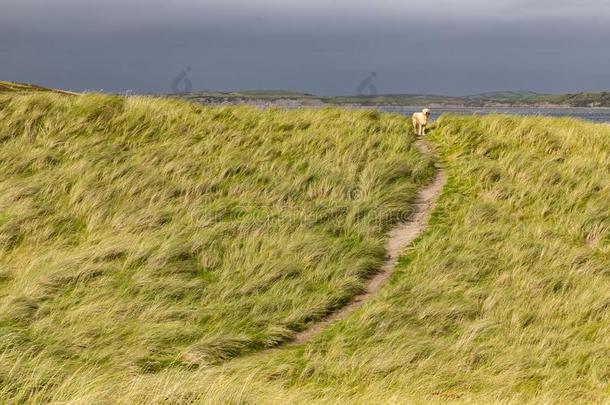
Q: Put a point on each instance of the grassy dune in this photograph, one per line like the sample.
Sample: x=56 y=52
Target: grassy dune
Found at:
x=12 y=87
x=504 y=299
x=140 y=236
x=150 y=249
x=6 y=87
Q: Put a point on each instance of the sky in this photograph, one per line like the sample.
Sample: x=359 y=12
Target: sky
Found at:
x=317 y=46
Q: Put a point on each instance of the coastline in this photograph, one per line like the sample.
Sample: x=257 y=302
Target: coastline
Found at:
x=322 y=102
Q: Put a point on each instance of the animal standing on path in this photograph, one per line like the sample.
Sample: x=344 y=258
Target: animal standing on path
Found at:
x=420 y=120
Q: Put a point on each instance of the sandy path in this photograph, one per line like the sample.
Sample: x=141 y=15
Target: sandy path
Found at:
x=399 y=238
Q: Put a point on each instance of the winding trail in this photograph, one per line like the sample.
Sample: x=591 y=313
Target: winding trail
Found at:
x=399 y=238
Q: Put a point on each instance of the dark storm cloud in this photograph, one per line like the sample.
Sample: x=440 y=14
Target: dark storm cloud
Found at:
x=316 y=46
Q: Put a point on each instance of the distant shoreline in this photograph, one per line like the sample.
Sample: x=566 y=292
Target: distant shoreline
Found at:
x=581 y=100
x=296 y=103
x=288 y=99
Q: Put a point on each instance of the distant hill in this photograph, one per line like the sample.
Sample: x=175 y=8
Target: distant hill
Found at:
x=296 y=98
x=274 y=93
x=499 y=98
x=601 y=99
x=12 y=87
x=506 y=95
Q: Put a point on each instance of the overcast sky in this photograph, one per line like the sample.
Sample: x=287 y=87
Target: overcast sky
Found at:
x=319 y=46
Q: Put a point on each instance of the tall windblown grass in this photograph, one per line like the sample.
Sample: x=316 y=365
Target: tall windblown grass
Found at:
x=504 y=299
x=149 y=249
x=141 y=237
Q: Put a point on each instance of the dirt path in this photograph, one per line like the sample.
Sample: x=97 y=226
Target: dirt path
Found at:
x=399 y=238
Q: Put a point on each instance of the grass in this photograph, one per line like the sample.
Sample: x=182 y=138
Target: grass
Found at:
x=503 y=300
x=140 y=236
x=137 y=269
x=12 y=87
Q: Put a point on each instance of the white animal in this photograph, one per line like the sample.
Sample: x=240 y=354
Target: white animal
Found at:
x=420 y=120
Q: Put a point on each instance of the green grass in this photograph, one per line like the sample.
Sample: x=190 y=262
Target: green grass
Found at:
x=151 y=249
x=504 y=299
x=140 y=236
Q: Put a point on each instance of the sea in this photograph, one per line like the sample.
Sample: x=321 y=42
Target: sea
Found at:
x=591 y=113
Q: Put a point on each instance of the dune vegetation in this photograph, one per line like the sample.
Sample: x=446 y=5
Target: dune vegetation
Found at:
x=504 y=299
x=139 y=235
x=156 y=251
